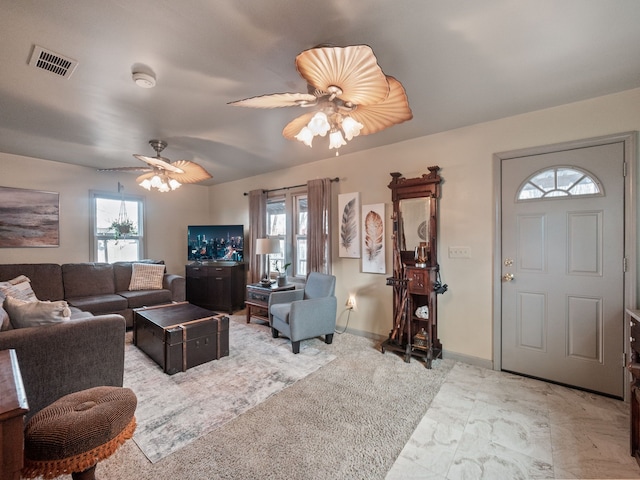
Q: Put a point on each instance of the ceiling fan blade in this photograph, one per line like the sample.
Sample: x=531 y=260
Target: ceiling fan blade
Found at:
x=191 y=172
x=277 y=100
x=159 y=162
x=294 y=127
x=395 y=109
x=354 y=69
x=126 y=169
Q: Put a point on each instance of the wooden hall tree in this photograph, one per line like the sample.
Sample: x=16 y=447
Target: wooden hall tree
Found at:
x=415 y=278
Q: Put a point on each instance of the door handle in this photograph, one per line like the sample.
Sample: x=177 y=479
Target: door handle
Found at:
x=507 y=277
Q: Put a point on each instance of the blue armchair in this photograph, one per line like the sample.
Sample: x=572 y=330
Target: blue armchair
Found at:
x=305 y=313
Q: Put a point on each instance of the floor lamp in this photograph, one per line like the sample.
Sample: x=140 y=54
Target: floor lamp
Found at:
x=265 y=247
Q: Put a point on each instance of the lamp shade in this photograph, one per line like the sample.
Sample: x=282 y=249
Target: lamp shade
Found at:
x=265 y=246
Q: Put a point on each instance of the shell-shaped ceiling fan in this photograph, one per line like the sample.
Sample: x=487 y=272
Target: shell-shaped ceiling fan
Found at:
x=161 y=173
x=348 y=94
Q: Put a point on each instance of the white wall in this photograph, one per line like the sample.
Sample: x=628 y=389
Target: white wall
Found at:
x=466 y=208
x=167 y=214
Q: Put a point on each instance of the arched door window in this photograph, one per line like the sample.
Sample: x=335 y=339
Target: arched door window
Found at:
x=559 y=182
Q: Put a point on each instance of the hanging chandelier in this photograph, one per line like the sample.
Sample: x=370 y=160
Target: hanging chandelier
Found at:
x=349 y=95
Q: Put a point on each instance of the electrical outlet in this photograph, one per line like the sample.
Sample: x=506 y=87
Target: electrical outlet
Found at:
x=459 y=252
x=351 y=302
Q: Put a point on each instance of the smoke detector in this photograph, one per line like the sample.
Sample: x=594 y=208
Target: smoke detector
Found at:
x=144 y=80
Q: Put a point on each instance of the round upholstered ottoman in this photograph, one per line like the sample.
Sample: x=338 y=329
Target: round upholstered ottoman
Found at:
x=74 y=433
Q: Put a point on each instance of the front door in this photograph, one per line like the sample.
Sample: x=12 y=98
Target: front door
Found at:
x=563 y=266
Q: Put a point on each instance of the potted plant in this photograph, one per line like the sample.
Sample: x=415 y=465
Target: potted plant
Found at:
x=122 y=228
x=282 y=274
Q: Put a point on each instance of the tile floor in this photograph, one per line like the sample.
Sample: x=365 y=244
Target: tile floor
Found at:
x=491 y=425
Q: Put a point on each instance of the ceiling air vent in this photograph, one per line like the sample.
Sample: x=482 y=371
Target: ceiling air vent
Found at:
x=52 y=62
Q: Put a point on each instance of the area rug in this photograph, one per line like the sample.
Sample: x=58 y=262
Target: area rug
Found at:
x=175 y=410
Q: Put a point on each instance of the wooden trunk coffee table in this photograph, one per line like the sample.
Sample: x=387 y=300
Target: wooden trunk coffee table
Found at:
x=178 y=336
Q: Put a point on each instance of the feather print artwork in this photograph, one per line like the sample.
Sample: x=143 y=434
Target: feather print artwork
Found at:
x=374 y=234
x=348 y=225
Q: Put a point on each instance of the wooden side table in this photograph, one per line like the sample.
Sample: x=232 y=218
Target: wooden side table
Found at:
x=257 y=302
x=13 y=408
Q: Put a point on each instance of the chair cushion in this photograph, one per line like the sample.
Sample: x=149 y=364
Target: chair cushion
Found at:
x=281 y=311
x=146 y=276
x=32 y=314
x=319 y=285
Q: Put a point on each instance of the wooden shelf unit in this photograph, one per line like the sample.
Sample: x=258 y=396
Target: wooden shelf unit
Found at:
x=415 y=220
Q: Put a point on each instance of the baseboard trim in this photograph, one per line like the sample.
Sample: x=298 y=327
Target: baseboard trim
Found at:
x=460 y=357
x=361 y=333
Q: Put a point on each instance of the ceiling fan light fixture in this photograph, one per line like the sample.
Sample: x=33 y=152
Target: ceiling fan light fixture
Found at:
x=173 y=183
x=351 y=127
x=305 y=136
x=319 y=124
x=161 y=182
x=336 y=140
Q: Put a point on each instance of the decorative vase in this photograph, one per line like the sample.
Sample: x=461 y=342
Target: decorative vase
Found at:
x=282 y=280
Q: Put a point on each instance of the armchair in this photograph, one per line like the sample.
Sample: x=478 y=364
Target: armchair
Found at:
x=301 y=314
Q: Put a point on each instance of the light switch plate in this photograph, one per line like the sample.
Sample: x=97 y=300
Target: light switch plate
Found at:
x=459 y=252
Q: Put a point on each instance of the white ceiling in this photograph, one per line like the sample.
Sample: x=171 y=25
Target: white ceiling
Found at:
x=460 y=61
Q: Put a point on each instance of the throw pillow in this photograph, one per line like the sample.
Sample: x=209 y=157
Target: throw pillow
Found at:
x=30 y=314
x=146 y=276
x=5 y=324
x=19 y=287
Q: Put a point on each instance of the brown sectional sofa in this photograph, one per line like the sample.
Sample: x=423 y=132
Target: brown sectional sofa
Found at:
x=98 y=288
x=87 y=351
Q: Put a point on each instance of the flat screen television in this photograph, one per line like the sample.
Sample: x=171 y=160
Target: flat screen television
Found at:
x=215 y=242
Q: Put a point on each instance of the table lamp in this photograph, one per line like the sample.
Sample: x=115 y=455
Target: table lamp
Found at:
x=265 y=247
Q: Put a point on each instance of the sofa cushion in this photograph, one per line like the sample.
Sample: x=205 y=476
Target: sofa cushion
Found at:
x=146 y=276
x=19 y=287
x=77 y=314
x=46 y=278
x=87 y=279
x=146 y=298
x=32 y=314
x=98 y=304
x=122 y=272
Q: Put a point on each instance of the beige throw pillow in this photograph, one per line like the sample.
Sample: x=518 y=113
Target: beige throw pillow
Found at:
x=146 y=276
x=19 y=287
x=30 y=314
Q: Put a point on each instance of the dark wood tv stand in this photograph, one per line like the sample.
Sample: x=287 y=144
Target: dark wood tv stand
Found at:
x=218 y=286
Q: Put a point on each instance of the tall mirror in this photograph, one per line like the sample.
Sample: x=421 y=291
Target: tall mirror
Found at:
x=414 y=214
x=413 y=223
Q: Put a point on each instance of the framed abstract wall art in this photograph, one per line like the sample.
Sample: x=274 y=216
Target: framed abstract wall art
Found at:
x=29 y=218
x=349 y=231
x=373 y=233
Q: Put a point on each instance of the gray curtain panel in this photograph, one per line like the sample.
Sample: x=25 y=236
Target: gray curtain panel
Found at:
x=257 y=229
x=319 y=226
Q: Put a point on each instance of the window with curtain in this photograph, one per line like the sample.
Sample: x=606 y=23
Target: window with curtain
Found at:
x=108 y=245
x=286 y=218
